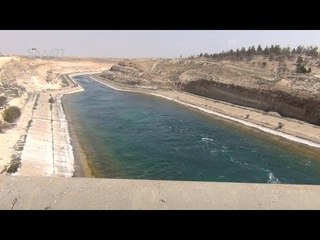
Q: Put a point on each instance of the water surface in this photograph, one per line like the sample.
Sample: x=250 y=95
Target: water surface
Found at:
x=136 y=136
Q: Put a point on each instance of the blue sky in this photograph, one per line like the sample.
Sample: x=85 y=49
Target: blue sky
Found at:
x=148 y=43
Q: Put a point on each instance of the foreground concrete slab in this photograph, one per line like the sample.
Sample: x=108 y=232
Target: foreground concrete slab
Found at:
x=18 y=192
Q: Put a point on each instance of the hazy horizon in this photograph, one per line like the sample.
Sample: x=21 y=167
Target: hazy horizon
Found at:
x=146 y=43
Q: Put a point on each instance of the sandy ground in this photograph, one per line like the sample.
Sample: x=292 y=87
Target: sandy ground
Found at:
x=32 y=74
x=292 y=130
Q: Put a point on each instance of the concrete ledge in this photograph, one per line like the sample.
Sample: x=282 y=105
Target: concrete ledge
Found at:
x=18 y=192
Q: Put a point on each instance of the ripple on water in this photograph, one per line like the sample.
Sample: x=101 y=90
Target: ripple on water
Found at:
x=130 y=135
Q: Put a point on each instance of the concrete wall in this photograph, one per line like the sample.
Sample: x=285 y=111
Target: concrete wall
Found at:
x=17 y=192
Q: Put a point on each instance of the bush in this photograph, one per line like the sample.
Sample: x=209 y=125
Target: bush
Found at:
x=11 y=114
x=264 y=64
x=302 y=69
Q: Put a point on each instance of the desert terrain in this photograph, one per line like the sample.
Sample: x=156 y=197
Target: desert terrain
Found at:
x=28 y=83
x=264 y=92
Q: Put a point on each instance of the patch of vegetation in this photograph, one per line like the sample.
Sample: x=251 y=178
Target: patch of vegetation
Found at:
x=3 y=100
x=301 y=66
x=14 y=164
x=268 y=52
x=302 y=69
x=264 y=64
x=11 y=114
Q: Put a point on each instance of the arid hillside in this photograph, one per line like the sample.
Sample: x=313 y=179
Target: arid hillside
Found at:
x=22 y=76
x=265 y=83
x=26 y=85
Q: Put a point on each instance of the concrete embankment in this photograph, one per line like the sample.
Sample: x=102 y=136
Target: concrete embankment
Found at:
x=48 y=150
x=89 y=193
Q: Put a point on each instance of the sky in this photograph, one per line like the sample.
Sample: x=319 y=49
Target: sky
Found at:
x=146 y=43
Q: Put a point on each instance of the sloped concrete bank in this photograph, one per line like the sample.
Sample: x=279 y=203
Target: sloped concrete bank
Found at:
x=48 y=150
x=89 y=193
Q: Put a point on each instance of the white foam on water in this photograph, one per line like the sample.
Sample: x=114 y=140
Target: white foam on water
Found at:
x=205 y=139
x=272 y=178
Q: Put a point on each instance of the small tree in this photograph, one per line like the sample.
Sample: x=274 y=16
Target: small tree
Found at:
x=266 y=51
x=11 y=114
x=301 y=69
x=299 y=60
x=301 y=66
x=259 y=50
x=253 y=50
x=300 y=50
x=243 y=52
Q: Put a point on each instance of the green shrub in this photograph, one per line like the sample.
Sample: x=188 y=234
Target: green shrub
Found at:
x=11 y=114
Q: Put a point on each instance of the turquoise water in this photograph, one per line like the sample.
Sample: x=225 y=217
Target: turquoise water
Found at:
x=136 y=136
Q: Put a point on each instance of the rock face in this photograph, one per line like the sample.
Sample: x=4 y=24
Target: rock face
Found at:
x=305 y=109
x=133 y=75
x=125 y=75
